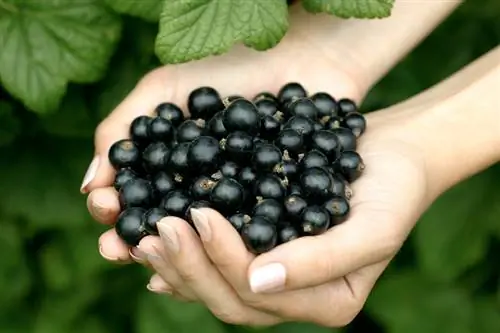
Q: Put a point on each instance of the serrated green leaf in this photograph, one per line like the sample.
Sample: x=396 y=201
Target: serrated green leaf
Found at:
x=9 y=123
x=368 y=9
x=453 y=234
x=194 y=29
x=47 y=43
x=148 y=10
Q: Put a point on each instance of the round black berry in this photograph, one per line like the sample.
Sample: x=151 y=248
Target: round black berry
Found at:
x=287 y=233
x=130 y=227
x=266 y=107
x=163 y=183
x=242 y=115
x=346 y=106
x=151 y=217
x=123 y=176
x=227 y=195
x=346 y=138
x=264 y=95
x=294 y=189
x=124 y=154
x=265 y=157
x=313 y=158
x=136 y=193
x=301 y=124
x=318 y=126
x=170 y=112
x=155 y=156
x=332 y=122
x=202 y=187
x=139 y=130
x=215 y=126
x=229 y=99
x=328 y=143
x=269 y=187
x=316 y=183
x=288 y=168
x=176 y=203
x=315 y=220
x=247 y=176
x=204 y=102
x=303 y=107
x=338 y=208
x=340 y=186
x=294 y=205
x=350 y=164
x=270 y=209
x=259 y=235
x=229 y=169
x=238 y=220
x=291 y=91
x=178 y=160
x=190 y=130
x=356 y=122
x=270 y=127
x=161 y=129
x=204 y=154
x=325 y=103
x=291 y=141
x=239 y=146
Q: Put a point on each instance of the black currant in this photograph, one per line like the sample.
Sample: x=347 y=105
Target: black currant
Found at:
x=270 y=209
x=269 y=186
x=356 y=122
x=204 y=154
x=139 y=130
x=346 y=137
x=229 y=169
x=315 y=220
x=238 y=220
x=130 y=225
x=290 y=92
x=247 y=176
x=265 y=157
x=196 y=205
x=259 y=235
x=294 y=189
x=202 y=187
x=313 y=158
x=161 y=129
x=242 y=115
x=316 y=183
x=338 y=208
x=239 y=146
x=136 y=193
x=340 y=186
x=303 y=107
x=171 y=112
x=151 y=217
x=163 y=183
x=204 y=102
x=332 y=122
x=288 y=168
x=264 y=95
x=227 y=195
x=178 y=159
x=287 y=233
x=155 y=156
x=328 y=143
x=189 y=130
x=291 y=141
x=124 y=154
x=123 y=176
x=346 y=106
x=351 y=165
x=266 y=107
x=301 y=124
x=326 y=104
x=294 y=205
x=215 y=126
x=270 y=127
x=229 y=99
x=318 y=126
x=176 y=203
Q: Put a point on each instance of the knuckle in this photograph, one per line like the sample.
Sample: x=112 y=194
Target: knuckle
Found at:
x=229 y=316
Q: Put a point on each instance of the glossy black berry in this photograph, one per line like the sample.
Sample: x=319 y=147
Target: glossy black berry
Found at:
x=346 y=106
x=301 y=124
x=294 y=205
x=259 y=235
x=204 y=102
x=269 y=186
x=242 y=115
x=287 y=234
x=316 y=183
x=130 y=227
x=247 y=176
x=303 y=107
x=136 y=193
x=139 y=130
x=315 y=220
x=178 y=160
x=270 y=209
x=161 y=129
x=229 y=99
x=290 y=140
x=155 y=156
x=196 y=205
x=264 y=95
x=176 y=203
x=266 y=107
x=171 y=112
x=190 y=130
x=325 y=103
x=215 y=126
x=356 y=122
x=340 y=187
x=238 y=220
x=270 y=128
x=288 y=168
x=291 y=91
x=338 y=208
x=313 y=158
x=318 y=126
x=294 y=189
x=227 y=195
x=124 y=154
x=326 y=142
x=202 y=187
x=163 y=183
x=239 y=146
x=229 y=169
x=151 y=217
x=123 y=176
x=266 y=157
x=350 y=165
x=346 y=137
x=204 y=155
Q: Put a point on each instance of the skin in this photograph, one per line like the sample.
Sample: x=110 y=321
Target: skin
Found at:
x=405 y=170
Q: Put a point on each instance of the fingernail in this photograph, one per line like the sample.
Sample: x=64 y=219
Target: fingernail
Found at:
x=268 y=278
x=157 y=285
x=169 y=237
x=201 y=223
x=137 y=254
x=90 y=174
x=114 y=259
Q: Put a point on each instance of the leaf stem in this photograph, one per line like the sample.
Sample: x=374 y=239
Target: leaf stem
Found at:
x=8 y=7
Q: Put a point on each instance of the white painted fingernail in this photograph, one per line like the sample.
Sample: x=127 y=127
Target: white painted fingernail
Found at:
x=201 y=223
x=90 y=174
x=268 y=278
x=158 y=285
x=169 y=236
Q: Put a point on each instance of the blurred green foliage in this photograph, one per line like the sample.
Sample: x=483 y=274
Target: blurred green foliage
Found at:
x=445 y=279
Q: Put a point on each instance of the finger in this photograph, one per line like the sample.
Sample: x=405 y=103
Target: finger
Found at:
x=112 y=248
x=158 y=286
x=187 y=255
x=103 y=205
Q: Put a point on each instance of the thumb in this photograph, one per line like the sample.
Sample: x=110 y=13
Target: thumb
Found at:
x=366 y=238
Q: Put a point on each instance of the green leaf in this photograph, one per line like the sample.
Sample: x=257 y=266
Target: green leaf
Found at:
x=148 y=10
x=453 y=234
x=351 y=8
x=406 y=302
x=10 y=126
x=47 y=43
x=194 y=29
x=487 y=311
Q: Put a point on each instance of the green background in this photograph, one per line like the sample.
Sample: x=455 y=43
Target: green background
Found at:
x=52 y=280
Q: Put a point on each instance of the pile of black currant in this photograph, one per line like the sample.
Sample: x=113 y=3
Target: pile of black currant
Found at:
x=278 y=167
